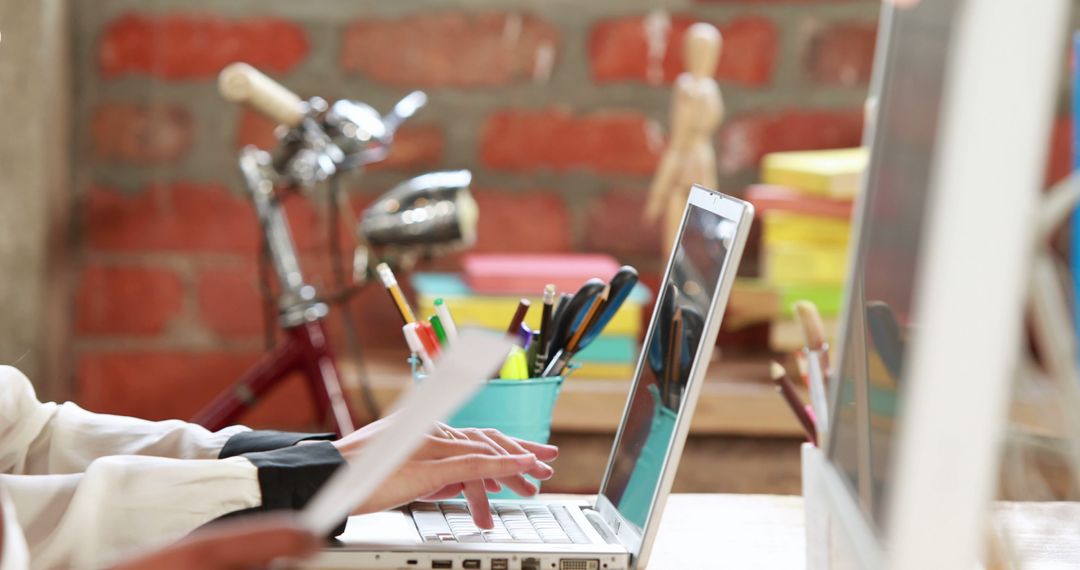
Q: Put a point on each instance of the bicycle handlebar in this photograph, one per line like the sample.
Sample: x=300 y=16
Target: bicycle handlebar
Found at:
x=241 y=83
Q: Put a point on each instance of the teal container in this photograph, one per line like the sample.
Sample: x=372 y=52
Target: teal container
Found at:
x=640 y=490
x=518 y=408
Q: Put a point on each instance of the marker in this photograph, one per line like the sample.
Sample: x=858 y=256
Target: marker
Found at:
x=519 y=317
x=447 y=321
x=541 y=351
x=391 y=284
x=440 y=332
x=514 y=366
x=412 y=338
x=429 y=340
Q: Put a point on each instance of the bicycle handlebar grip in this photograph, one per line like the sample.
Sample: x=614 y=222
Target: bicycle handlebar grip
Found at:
x=241 y=83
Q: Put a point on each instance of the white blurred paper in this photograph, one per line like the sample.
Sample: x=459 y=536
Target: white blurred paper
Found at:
x=459 y=373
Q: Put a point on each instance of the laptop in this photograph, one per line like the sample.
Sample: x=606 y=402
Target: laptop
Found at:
x=616 y=530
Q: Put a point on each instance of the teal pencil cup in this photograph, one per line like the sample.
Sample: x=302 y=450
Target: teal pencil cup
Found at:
x=518 y=408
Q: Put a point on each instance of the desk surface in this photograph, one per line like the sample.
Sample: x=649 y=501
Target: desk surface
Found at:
x=731 y=531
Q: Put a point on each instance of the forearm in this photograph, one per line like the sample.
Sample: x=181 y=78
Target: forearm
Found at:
x=125 y=503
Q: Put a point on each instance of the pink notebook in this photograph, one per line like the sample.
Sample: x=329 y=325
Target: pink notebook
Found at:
x=525 y=273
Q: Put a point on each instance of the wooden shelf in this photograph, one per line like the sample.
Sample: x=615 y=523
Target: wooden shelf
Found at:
x=738 y=399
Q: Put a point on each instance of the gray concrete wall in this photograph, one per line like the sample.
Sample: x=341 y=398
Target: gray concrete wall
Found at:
x=34 y=176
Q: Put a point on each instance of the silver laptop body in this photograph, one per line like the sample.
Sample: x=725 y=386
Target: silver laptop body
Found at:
x=617 y=530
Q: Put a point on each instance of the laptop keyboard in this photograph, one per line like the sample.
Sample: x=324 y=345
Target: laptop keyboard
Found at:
x=514 y=522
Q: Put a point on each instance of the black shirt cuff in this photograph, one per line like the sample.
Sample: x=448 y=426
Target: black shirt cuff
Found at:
x=289 y=477
x=267 y=440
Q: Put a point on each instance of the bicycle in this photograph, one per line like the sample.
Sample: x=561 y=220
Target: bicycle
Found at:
x=319 y=142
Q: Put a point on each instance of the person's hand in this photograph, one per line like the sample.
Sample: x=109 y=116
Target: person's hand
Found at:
x=234 y=545
x=483 y=454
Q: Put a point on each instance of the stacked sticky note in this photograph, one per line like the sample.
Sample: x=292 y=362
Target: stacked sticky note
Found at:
x=805 y=211
x=611 y=356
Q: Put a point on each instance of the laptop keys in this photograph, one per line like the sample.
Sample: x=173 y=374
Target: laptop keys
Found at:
x=452 y=522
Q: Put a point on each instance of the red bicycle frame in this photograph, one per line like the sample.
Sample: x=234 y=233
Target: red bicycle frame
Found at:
x=306 y=348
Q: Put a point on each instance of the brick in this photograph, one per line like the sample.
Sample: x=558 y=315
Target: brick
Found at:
x=180 y=216
x=744 y=140
x=841 y=53
x=141 y=134
x=414 y=147
x=114 y=300
x=1060 y=159
x=175 y=385
x=179 y=46
x=522 y=222
x=556 y=139
x=608 y=218
x=450 y=49
x=619 y=51
x=254 y=129
x=229 y=300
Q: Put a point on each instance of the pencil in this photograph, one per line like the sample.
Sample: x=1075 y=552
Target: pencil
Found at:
x=586 y=322
x=787 y=390
x=391 y=284
x=519 y=316
x=817 y=357
x=443 y=311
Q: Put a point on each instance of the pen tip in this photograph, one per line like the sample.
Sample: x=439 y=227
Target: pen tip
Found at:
x=776 y=371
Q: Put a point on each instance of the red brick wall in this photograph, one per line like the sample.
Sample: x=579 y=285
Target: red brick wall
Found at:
x=556 y=107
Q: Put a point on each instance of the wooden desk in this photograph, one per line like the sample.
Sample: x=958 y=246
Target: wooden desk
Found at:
x=738 y=399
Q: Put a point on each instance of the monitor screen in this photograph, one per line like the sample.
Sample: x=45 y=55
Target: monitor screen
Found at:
x=878 y=322
x=671 y=346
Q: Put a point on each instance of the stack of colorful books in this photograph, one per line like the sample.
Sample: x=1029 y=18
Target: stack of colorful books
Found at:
x=805 y=205
x=487 y=293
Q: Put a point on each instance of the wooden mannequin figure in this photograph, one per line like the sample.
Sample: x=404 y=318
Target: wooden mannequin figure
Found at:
x=696 y=112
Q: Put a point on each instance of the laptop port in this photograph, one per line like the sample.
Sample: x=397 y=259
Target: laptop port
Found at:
x=500 y=564
x=471 y=563
x=579 y=564
x=411 y=562
x=530 y=564
x=442 y=563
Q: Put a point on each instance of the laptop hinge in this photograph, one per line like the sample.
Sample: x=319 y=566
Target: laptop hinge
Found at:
x=600 y=526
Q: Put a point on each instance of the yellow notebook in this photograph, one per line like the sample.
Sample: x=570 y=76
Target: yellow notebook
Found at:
x=806 y=265
x=786 y=227
x=605 y=370
x=834 y=173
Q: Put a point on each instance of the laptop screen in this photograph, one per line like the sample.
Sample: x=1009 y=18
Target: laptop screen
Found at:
x=671 y=347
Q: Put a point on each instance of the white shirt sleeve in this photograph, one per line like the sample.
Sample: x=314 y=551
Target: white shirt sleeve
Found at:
x=49 y=438
x=88 y=488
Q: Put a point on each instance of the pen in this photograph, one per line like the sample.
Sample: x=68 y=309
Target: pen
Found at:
x=545 y=329
x=436 y=325
x=412 y=338
x=447 y=321
x=783 y=385
x=562 y=358
x=391 y=284
x=519 y=317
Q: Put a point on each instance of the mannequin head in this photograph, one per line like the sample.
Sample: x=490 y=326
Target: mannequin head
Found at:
x=701 y=47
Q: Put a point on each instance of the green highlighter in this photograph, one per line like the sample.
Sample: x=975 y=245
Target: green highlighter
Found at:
x=440 y=332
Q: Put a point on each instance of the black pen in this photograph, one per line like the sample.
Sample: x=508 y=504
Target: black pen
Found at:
x=545 y=330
